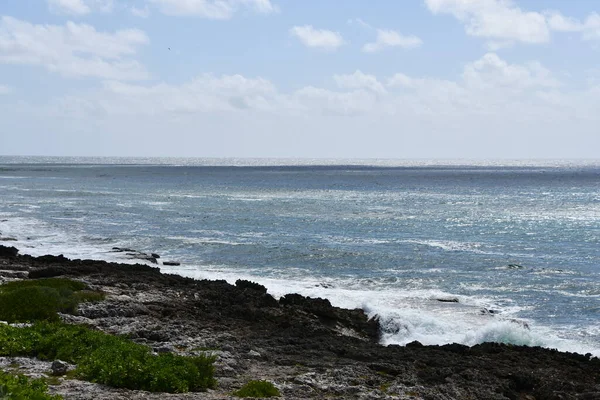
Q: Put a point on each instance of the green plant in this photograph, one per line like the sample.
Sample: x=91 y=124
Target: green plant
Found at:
x=31 y=304
x=42 y=299
x=107 y=359
x=55 y=283
x=19 y=387
x=258 y=389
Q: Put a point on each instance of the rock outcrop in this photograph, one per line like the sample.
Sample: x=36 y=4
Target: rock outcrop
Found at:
x=306 y=347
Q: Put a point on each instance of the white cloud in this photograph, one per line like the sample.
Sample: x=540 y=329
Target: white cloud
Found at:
x=72 y=7
x=318 y=101
x=359 y=80
x=319 y=38
x=212 y=9
x=80 y=7
x=499 y=20
x=390 y=38
x=491 y=71
x=359 y=22
x=589 y=29
x=560 y=23
x=140 y=12
x=5 y=89
x=487 y=86
x=493 y=109
x=75 y=50
x=503 y=23
x=206 y=93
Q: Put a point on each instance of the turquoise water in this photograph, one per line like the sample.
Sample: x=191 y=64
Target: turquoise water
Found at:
x=517 y=245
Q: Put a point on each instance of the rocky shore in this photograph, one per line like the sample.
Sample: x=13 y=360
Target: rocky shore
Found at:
x=306 y=347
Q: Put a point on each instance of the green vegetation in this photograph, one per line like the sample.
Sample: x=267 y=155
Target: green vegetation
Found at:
x=258 y=389
x=54 y=283
x=101 y=358
x=42 y=299
x=21 y=388
x=107 y=359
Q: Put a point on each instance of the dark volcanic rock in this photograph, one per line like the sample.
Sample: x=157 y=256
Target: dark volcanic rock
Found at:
x=308 y=347
x=244 y=284
x=172 y=263
x=59 y=367
x=451 y=300
x=8 y=251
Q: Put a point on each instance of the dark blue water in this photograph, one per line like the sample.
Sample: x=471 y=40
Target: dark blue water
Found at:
x=521 y=240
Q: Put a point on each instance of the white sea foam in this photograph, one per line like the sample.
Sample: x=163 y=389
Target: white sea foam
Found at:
x=38 y=238
x=450 y=245
x=406 y=315
x=410 y=315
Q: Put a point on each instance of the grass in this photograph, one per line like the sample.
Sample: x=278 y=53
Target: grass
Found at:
x=55 y=283
x=258 y=389
x=42 y=299
x=100 y=357
x=107 y=359
x=19 y=387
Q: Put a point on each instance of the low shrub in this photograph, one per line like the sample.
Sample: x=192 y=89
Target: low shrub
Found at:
x=55 y=283
x=30 y=304
x=258 y=389
x=42 y=299
x=19 y=387
x=107 y=359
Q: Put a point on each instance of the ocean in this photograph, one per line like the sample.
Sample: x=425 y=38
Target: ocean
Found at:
x=441 y=251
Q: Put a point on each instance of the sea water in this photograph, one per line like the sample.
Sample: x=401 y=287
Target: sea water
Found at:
x=441 y=252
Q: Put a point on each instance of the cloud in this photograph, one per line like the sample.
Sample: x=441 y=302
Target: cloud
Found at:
x=390 y=38
x=5 y=89
x=140 y=12
x=318 y=38
x=359 y=22
x=491 y=72
x=494 y=108
x=495 y=19
x=503 y=23
x=73 y=50
x=359 y=80
x=72 y=7
x=212 y=9
x=80 y=7
x=487 y=86
x=206 y=93
x=589 y=28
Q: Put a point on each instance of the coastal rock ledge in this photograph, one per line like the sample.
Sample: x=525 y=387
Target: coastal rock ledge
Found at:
x=306 y=347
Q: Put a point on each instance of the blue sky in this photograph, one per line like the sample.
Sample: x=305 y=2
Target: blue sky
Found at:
x=273 y=78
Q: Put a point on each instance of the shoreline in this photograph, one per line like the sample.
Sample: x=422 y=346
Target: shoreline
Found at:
x=306 y=347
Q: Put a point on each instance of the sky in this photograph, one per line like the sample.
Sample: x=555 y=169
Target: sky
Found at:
x=401 y=79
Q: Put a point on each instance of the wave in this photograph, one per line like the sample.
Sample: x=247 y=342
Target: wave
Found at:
x=450 y=245
x=405 y=315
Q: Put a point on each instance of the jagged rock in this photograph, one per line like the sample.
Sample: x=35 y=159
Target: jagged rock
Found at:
x=59 y=367
x=244 y=284
x=171 y=263
x=449 y=300
x=298 y=340
x=8 y=251
x=254 y=354
x=50 y=259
